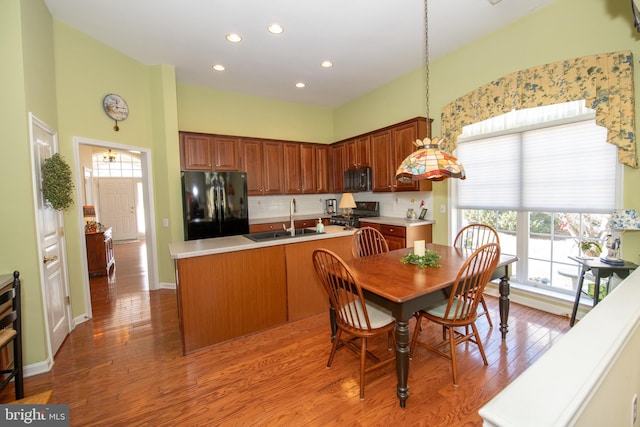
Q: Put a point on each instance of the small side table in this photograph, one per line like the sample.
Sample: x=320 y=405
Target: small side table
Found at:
x=599 y=270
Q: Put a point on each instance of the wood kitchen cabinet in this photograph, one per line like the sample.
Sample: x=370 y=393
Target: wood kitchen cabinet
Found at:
x=100 y=257
x=389 y=147
x=398 y=236
x=299 y=168
x=268 y=226
x=305 y=294
x=381 y=161
x=402 y=138
x=358 y=152
x=263 y=162
x=338 y=166
x=323 y=165
x=203 y=152
x=228 y=295
x=288 y=167
x=224 y=296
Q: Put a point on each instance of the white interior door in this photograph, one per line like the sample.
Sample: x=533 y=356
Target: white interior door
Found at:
x=51 y=241
x=118 y=207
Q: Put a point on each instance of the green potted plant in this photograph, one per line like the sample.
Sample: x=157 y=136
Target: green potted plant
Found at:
x=57 y=185
x=590 y=248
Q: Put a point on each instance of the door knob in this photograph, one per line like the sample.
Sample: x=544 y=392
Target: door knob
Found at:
x=46 y=259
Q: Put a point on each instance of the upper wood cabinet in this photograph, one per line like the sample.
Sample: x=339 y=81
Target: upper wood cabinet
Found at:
x=292 y=168
x=389 y=147
x=358 y=152
x=286 y=167
x=273 y=178
x=263 y=162
x=323 y=162
x=203 y=152
x=338 y=166
x=309 y=168
x=402 y=138
x=381 y=161
x=299 y=168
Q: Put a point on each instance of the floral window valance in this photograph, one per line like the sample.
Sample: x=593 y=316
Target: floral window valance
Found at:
x=604 y=81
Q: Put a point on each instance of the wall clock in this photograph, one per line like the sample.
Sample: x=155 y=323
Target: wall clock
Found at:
x=115 y=107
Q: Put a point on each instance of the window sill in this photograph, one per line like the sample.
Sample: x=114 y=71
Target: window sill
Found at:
x=542 y=299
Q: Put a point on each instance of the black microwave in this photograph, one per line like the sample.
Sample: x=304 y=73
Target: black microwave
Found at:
x=356 y=180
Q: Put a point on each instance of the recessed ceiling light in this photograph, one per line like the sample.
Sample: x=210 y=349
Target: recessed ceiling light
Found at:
x=275 y=28
x=327 y=64
x=300 y=84
x=218 y=67
x=493 y=2
x=234 y=38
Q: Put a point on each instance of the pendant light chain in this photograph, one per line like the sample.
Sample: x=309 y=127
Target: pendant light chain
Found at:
x=428 y=161
x=426 y=56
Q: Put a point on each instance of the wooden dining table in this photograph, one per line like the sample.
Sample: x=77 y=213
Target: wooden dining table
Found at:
x=406 y=288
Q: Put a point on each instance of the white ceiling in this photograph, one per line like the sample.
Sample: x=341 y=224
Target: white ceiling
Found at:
x=371 y=42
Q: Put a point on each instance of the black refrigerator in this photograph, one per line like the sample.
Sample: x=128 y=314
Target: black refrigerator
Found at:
x=214 y=204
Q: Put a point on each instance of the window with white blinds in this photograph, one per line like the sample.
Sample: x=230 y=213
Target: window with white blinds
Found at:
x=559 y=168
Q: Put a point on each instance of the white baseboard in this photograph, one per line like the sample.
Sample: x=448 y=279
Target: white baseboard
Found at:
x=167 y=285
x=539 y=299
x=38 y=368
x=80 y=319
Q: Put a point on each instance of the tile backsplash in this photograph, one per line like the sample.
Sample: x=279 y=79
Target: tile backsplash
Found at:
x=391 y=204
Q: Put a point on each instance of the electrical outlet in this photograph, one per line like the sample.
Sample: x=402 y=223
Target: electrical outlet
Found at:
x=634 y=409
x=165 y=222
x=443 y=209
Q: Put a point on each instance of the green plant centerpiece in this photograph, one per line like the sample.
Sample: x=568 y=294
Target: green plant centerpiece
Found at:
x=429 y=259
x=57 y=185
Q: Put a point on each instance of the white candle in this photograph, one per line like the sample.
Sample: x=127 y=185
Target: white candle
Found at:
x=418 y=247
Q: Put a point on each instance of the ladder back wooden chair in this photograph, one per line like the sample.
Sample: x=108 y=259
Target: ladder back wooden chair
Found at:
x=368 y=241
x=11 y=333
x=356 y=318
x=472 y=237
x=460 y=310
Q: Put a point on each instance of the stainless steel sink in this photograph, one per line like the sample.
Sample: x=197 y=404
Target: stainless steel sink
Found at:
x=273 y=235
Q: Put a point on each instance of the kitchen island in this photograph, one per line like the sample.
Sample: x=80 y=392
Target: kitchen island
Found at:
x=228 y=287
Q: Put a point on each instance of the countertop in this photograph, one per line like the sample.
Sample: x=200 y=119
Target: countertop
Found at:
x=399 y=222
x=219 y=245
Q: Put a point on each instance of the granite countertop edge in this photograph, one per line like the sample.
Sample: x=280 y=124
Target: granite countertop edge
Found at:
x=220 y=245
x=399 y=222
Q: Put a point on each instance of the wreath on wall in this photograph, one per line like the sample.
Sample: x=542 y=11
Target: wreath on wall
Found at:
x=57 y=185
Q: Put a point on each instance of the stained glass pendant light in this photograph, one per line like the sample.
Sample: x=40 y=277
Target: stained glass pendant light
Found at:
x=429 y=161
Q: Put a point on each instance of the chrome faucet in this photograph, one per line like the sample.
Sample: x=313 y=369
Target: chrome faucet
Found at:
x=292 y=210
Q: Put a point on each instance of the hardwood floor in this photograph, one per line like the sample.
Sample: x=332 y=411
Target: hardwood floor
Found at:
x=125 y=367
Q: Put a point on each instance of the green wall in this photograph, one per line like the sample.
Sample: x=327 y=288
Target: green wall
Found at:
x=212 y=111
x=27 y=85
x=562 y=30
x=62 y=75
x=87 y=70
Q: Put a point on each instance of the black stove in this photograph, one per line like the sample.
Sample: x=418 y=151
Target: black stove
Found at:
x=362 y=210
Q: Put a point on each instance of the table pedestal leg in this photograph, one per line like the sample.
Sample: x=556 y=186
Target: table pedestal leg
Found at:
x=504 y=289
x=402 y=360
x=576 y=303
